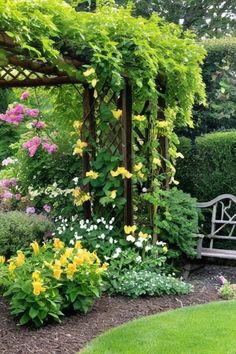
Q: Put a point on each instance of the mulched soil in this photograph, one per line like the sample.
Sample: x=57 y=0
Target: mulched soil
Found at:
x=76 y=330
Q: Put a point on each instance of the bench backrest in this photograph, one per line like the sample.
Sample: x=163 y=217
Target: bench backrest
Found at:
x=223 y=219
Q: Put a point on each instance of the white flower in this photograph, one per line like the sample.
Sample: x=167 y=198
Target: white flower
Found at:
x=160 y=243
x=111 y=240
x=144 y=190
x=139 y=244
x=130 y=238
x=148 y=248
x=76 y=180
x=110 y=227
x=72 y=242
x=106 y=258
x=102 y=236
x=97 y=246
x=98 y=221
x=138 y=259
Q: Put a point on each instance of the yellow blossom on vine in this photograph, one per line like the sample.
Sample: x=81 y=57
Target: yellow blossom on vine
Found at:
x=162 y=124
x=117 y=114
x=38 y=287
x=80 y=145
x=113 y=194
x=121 y=171
x=130 y=229
x=138 y=167
x=139 y=118
x=77 y=125
x=89 y=72
x=156 y=161
x=2 y=259
x=11 y=267
x=140 y=174
x=95 y=94
x=35 y=247
x=20 y=259
x=165 y=249
x=180 y=155
x=92 y=174
x=80 y=197
x=94 y=82
x=71 y=269
x=58 y=244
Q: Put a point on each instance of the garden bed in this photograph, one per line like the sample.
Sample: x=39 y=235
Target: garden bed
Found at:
x=75 y=331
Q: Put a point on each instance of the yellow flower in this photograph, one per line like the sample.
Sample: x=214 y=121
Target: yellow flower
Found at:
x=140 y=174
x=138 y=167
x=95 y=94
x=89 y=72
x=117 y=114
x=156 y=161
x=58 y=244
x=80 y=145
x=63 y=259
x=36 y=275
x=130 y=229
x=121 y=171
x=38 y=287
x=68 y=252
x=78 y=245
x=103 y=268
x=77 y=125
x=94 y=82
x=92 y=174
x=20 y=259
x=113 y=194
x=57 y=273
x=11 y=267
x=139 y=118
x=162 y=124
x=80 y=196
x=35 y=247
x=143 y=236
x=71 y=268
x=2 y=259
x=180 y=155
x=165 y=249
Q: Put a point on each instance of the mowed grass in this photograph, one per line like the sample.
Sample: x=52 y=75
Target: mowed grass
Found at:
x=202 y=329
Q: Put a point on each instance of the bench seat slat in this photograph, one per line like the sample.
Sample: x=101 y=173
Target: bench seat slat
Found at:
x=218 y=253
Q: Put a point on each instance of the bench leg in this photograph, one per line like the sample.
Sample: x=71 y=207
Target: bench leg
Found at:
x=199 y=248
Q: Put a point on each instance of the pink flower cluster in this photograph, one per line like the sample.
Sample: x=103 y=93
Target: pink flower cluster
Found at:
x=6 y=183
x=14 y=115
x=38 y=124
x=25 y=95
x=32 y=145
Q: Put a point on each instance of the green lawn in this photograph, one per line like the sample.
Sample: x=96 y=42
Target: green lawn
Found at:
x=204 y=329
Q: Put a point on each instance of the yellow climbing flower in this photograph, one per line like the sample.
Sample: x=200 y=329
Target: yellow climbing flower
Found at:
x=138 y=167
x=68 y=252
x=121 y=171
x=139 y=118
x=92 y=174
x=71 y=269
x=113 y=194
x=130 y=229
x=94 y=82
x=80 y=197
x=156 y=161
x=58 y=244
x=140 y=174
x=80 y=145
x=20 y=259
x=117 y=114
x=11 y=267
x=89 y=72
x=2 y=259
x=35 y=247
x=38 y=287
x=165 y=249
x=77 y=125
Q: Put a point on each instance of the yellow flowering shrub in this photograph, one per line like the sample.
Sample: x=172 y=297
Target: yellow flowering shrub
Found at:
x=45 y=280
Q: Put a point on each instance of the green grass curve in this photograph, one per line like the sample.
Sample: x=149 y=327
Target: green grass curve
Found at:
x=202 y=329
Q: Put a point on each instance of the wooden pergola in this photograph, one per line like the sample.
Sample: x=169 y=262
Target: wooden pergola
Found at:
x=20 y=70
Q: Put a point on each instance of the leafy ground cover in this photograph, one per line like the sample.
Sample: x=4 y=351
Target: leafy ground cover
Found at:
x=190 y=330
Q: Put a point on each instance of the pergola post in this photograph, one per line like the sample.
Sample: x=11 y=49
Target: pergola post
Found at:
x=127 y=150
x=88 y=134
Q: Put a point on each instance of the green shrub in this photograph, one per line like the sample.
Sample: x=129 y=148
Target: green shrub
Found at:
x=209 y=167
x=42 y=283
x=175 y=221
x=135 y=284
x=17 y=230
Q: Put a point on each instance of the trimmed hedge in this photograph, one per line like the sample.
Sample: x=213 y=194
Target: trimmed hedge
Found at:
x=209 y=166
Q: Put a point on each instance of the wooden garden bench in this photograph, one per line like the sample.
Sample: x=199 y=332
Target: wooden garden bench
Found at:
x=223 y=222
